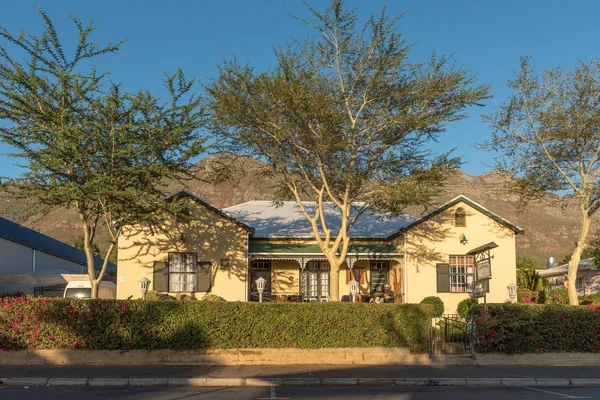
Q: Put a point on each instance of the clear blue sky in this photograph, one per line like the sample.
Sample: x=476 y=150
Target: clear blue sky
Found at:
x=487 y=37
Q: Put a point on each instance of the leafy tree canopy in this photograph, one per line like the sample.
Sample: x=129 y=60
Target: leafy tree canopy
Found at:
x=87 y=144
x=546 y=134
x=346 y=117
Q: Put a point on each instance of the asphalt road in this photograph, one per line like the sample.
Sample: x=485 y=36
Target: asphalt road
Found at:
x=297 y=393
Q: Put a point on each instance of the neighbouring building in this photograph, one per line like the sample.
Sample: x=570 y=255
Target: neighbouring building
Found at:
x=588 y=277
x=225 y=251
x=30 y=259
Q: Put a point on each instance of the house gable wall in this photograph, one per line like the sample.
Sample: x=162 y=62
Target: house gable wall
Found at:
x=435 y=239
x=210 y=235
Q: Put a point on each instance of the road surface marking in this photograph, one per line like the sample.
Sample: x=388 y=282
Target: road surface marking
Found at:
x=273 y=396
x=564 y=396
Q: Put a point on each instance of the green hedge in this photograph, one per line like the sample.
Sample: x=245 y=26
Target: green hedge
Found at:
x=467 y=307
x=42 y=323
x=436 y=303
x=554 y=296
x=518 y=328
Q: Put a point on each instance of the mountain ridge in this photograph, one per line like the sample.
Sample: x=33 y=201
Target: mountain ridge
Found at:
x=550 y=229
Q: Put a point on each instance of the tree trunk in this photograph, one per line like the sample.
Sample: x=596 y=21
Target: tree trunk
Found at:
x=87 y=248
x=334 y=282
x=95 y=287
x=576 y=257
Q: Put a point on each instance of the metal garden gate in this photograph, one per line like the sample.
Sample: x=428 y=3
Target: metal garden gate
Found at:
x=451 y=334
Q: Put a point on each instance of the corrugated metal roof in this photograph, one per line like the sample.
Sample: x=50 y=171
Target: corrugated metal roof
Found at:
x=563 y=269
x=288 y=221
x=28 y=237
x=290 y=248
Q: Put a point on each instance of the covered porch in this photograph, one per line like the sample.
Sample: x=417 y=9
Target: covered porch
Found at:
x=300 y=273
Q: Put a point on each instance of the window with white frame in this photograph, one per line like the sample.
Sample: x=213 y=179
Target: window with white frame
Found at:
x=182 y=272
x=461 y=273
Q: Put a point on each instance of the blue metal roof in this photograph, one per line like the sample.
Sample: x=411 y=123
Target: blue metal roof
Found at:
x=28 y=237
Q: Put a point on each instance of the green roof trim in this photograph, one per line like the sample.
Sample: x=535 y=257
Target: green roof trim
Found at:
x=289 y=248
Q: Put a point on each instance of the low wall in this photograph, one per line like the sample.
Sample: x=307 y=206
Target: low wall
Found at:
x=338 y=356
x=539 y=359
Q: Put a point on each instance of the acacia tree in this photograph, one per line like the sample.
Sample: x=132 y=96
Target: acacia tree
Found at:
x=344 y=117
x=548 y=135
x=85 y=143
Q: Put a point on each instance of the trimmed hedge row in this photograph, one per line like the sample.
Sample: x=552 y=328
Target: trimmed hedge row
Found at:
x=42 y=323
x=554 y=296
x=518 y=328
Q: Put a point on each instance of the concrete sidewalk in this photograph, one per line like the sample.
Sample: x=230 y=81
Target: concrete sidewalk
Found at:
x=286 y=375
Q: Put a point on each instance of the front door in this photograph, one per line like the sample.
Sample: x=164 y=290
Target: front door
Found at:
x=314 y=281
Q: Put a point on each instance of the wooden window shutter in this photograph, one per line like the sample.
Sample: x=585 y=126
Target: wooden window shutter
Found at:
x=161 y=276
x=363 y=276
x=348 y=276
x=443 y=278
x=204 y=276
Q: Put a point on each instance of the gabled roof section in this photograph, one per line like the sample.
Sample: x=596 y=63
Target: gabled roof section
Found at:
x=458 y=199
x=287 y=221
x=218 y=211
x=18 y=233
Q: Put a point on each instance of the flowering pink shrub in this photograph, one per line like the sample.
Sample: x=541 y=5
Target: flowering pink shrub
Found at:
x=527 y=296
x=42 y=323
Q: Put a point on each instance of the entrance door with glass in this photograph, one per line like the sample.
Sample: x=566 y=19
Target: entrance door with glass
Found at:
x=314 y=281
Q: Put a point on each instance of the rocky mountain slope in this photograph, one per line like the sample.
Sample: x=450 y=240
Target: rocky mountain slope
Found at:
x=550 y=230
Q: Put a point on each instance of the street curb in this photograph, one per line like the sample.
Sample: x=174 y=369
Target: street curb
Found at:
x=269 y=381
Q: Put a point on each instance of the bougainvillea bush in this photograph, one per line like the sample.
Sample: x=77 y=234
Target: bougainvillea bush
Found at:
x=535 y=328
x=43 y=323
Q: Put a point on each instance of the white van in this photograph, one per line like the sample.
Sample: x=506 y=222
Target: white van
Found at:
x=83 y=290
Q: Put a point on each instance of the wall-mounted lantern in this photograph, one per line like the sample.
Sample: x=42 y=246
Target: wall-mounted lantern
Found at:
x=260 y=287
x=463 y=239
x=353 y=289
x=144 y=285
x=512 y=292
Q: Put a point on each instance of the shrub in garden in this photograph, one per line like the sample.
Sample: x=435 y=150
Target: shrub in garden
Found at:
x=526 y=296
x=43 y=323
x=556 y=296
x=592 y=298
x=436 y=303
x=184 y=297
x=467 y=307
x=153 y=295
x=518 y=328
x=212 y=297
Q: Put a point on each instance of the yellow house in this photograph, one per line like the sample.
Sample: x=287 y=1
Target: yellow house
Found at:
x=224 y=252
